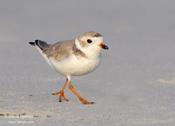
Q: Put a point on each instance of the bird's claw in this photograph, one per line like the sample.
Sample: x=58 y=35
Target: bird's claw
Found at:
x=61 y=95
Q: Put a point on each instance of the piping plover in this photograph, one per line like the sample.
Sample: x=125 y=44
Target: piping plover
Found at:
x=73 y=58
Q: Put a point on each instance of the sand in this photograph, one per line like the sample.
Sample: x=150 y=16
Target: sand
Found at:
x=133 y=86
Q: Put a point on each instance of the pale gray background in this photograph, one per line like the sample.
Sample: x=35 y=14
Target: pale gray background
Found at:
x=135 y=84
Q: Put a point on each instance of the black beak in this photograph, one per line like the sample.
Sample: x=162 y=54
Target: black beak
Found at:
x=103 y=46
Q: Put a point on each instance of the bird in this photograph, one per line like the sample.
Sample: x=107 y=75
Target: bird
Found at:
x=75 y=57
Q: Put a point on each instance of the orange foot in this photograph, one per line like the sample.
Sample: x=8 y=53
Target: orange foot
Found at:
x=61 y=95
x=80 y=98
x=84 y=101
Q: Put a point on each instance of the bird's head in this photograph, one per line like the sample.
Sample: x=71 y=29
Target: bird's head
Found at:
x=90 y=43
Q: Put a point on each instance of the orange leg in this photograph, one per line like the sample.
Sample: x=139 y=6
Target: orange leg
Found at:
x=61 y=92
x=81 y=99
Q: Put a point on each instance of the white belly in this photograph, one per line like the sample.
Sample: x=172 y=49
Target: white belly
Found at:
x=75 y=66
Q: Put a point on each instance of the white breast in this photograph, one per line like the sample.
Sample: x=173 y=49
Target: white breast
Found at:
x=75 y=65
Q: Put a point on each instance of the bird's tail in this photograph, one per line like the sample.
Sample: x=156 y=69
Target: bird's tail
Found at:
x=41 y=44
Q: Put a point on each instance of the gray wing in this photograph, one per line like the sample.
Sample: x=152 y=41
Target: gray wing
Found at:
x=60 y=50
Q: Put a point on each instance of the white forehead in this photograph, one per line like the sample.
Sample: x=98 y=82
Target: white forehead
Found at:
x=97 y=39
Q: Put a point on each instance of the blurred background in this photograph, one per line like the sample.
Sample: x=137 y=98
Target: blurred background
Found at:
x=135 y=84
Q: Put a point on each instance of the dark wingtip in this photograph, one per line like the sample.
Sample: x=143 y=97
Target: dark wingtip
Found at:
x=37 y=42
x=32 y=43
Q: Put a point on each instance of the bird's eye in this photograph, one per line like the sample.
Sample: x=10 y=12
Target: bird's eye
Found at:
x=89 y=41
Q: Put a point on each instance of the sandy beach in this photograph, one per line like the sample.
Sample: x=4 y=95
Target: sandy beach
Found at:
x=133 y=86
